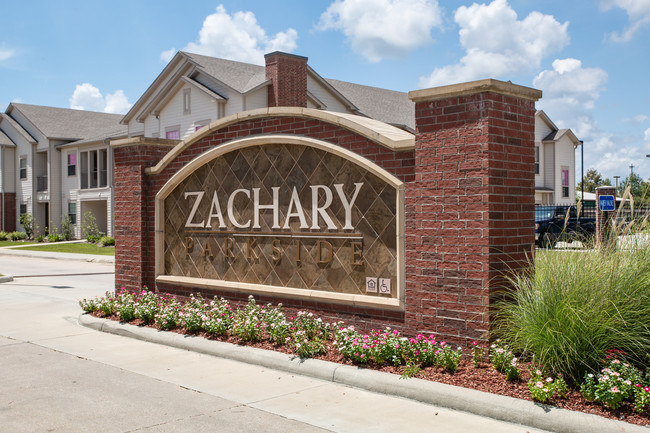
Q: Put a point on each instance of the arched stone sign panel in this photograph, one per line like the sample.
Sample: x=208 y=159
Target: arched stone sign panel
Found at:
x=287 y=216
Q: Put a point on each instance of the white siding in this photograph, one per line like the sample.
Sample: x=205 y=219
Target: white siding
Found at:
x=135 y=128
x=202 y=107
x=234 y=105
x=257 y=99
x=565 y=156
x=152 y=127
x=325 y=96
x=549 y=167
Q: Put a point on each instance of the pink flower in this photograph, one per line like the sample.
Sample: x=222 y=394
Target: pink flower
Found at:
x=362 y=355
x=473 y=343
x=396 y=345
x=539 y=385
x=395 y=332
x=614 y=389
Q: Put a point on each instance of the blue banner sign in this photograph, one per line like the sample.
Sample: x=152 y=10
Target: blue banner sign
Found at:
x=606 y=203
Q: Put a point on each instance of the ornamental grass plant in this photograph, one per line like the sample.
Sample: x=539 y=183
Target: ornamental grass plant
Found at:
x=573 y=308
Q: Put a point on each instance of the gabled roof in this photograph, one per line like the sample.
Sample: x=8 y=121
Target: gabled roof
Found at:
x=17 y=127
x=556 y=133
x=120 y=131
x=241 y=77
x=385 y=105
x=66 y=123
x=5 y=141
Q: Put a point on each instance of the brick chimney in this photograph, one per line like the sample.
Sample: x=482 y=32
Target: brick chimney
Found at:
x=288 y=74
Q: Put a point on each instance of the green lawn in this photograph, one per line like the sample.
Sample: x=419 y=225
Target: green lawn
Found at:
x=80 y=248
x=14 y=243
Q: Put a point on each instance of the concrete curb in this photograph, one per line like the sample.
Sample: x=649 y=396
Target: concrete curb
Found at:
x=6 y=278
x=535 y=415
x=58 y=256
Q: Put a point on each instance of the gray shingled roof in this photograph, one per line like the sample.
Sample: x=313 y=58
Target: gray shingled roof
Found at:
x=66 y=123
x=120 y=131
x=381 y=104
x=240 y=76
x=4 y=140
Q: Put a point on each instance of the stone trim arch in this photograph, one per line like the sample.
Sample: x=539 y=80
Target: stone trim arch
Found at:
x=396 y=303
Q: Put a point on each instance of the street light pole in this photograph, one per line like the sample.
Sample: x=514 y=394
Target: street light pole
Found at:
x=616 y=178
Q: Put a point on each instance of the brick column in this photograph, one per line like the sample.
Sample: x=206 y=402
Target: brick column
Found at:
x=603 y=218
x=288 y=74
x=134 y=196
x=470 y=210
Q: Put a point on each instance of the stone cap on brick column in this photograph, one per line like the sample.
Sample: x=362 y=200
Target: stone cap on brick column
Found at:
x=472 y=87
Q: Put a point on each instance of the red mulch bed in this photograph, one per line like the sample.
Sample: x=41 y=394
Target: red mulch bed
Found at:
x=483 y=378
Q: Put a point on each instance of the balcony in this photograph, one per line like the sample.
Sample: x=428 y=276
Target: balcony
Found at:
x=42 y=193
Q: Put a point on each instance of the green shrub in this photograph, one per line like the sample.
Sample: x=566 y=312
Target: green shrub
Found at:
x=89 y=229
x=67 y=229
x=4 y=236
x=576 y=306
x=54 y=236
x=29 y=224
x=106 y=241
x=17 y=236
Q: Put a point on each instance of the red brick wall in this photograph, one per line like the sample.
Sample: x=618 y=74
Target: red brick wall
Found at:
x=9 y=212
x=288 y=74
x=470 y=210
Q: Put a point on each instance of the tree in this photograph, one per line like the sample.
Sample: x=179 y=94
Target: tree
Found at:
x=593 y=179
x=639 y=188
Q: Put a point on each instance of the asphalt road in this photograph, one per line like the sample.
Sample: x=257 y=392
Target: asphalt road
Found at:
x=56 y=376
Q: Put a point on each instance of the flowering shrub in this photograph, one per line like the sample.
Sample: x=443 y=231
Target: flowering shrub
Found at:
x=168 y=315
x=478 y=354
x=641 y=397
x=219 y=318
x=125 y=305
x=248 y=322
x=146 y=306
x=544 y=387
x=193 y=314
x=613 y=385
x=504 y=361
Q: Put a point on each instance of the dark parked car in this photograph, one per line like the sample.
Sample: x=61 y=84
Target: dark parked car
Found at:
x=562 y=223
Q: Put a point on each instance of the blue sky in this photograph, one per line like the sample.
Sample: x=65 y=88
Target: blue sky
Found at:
x=590 y=58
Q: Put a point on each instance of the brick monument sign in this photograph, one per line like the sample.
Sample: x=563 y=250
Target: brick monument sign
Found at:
x=347 y=216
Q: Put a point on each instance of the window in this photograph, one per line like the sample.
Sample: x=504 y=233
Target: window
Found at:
x=94 y=169
x=23 y=167
x=173 y=133
x=565 y=182
x=536 y=159
x=200 y=124
x=72 y=163
x=187 y=101
x=23 y=208
x=72 y=212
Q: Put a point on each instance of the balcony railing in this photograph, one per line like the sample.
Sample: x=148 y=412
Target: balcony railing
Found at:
x=41 y=183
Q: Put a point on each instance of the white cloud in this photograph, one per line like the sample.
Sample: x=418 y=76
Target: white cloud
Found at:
x=236 y=37
x=497 y=43
x=88 y=97
x=166 y=56
x=647 y=135
x=6 y=53
x=570 y=88
x=639 y=119
x=117 y=103
x=638 y=12
x=379 y=29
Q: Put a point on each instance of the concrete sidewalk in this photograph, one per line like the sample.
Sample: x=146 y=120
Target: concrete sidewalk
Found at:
x=19 y=251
